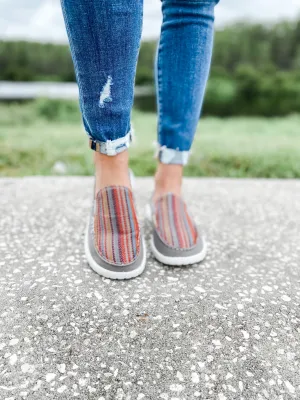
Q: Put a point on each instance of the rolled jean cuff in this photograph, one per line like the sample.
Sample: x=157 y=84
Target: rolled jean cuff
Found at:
x=171 y=156
x=111 y=147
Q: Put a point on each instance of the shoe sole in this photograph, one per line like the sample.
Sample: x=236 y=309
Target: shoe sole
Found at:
x=112 y=274
x=174 y=261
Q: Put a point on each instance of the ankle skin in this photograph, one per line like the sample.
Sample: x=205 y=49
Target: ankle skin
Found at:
x=111 y=170
x=168 y=179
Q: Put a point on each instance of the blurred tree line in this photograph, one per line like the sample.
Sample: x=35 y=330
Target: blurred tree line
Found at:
x=255 y=69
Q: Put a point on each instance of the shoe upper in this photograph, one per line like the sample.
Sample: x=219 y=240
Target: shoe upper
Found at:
x=117 y=236
x=173 y=223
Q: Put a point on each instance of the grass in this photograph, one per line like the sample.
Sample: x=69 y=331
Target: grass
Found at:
x=35 y=136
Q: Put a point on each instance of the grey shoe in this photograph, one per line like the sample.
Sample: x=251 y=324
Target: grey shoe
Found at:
x=175 y=238
x=114 y=244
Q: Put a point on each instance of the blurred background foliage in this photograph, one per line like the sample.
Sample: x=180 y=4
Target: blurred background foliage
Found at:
x=255 y=69
x=252 y=105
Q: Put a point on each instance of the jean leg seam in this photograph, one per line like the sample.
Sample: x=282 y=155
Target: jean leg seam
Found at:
x=159 y=87
x=136 y=63
x=73 y=52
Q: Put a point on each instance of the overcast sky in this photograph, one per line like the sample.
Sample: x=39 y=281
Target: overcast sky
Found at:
x=42 y=19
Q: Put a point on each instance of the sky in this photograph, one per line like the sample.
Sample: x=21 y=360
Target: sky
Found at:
x=42 y=19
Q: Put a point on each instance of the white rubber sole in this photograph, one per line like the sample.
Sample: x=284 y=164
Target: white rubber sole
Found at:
x=187 y=260
x=112 y=274
x=175 y=261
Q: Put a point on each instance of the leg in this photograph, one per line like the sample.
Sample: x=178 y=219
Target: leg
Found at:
x=182 y=68
x=104 y=37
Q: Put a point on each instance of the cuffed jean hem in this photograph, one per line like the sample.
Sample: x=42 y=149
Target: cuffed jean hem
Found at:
x=111 y=147
x=171 y=156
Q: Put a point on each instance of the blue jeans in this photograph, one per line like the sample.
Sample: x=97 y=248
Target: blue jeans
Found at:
x=104 y=38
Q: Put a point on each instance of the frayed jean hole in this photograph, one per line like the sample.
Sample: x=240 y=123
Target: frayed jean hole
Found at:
x=105 y=95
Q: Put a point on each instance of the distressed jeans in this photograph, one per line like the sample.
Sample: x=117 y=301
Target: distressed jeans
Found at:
x=104 y=37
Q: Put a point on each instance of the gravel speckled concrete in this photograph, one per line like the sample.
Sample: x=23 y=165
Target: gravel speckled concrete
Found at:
x=226 y=329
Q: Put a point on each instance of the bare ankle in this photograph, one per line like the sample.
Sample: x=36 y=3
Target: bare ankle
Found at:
x=111 y=170
x=168 y=179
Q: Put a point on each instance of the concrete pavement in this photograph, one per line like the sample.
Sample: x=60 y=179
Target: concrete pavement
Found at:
x=226 y=329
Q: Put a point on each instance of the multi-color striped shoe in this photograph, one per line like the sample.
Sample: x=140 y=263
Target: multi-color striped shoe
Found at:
x=175 y=238
x=114 y=244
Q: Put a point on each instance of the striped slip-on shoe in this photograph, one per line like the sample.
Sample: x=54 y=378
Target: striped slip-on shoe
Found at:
x=175 y=238
x=114 y=244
